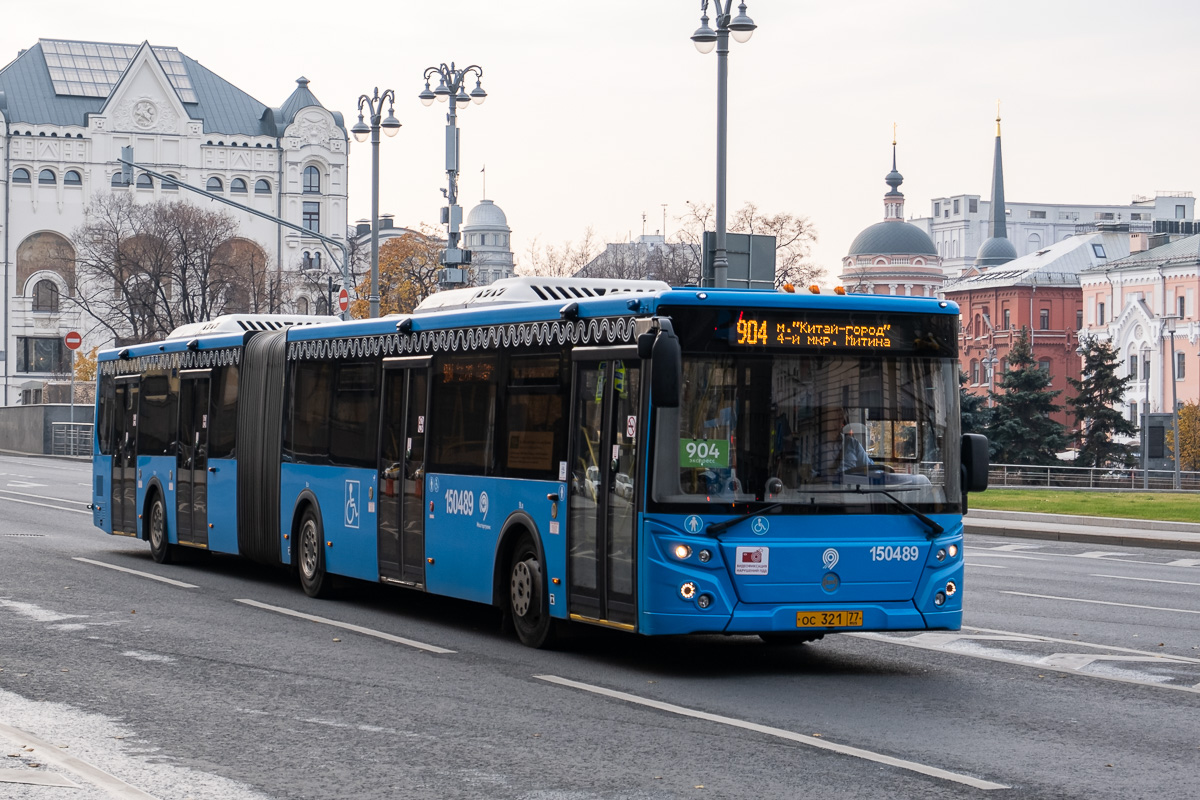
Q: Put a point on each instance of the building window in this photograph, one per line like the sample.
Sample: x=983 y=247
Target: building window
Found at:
x=36 y=354
x=169 y=186
x=117 y=180
x=1098 y=250
x=312 y=217
x=1137 y=216
x=1044 y=366
x=45 y=296
x=1180 y=212
x=956 y=208
x=1044 y=319
x=1007 y=320
x=1037 y=214
x=237 y=186
x=1103 y=215
x=937 y=209
x=1133 y=367
x=973 y=205
x=20 y=175
x=215 y=185
x=262 y=186
x=1003 y=365
x=1180 y=365
x=975 y=372
x=312 y=180
x=1181 y=307
x=1133 y=417
x=72 y=178
x=1100 y=313
x=302 y=306
x=144 y=181
x=47 y=176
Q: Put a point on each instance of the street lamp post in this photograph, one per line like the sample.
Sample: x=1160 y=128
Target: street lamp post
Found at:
x=742 y=27
x=1171 y=323
x=1146 y=421
x=361 y=131
x=990 y=363
x=450 y=88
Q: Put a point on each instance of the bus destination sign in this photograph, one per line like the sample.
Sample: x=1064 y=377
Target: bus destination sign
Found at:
x=854 y=332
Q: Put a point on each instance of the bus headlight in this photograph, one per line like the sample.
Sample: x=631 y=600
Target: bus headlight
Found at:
x=704 y=601
x=953 y=550
x=704 y=555
x=687 y=591
x=941 y=554
x=939 y=599
x=951 y=588
x=682 y=551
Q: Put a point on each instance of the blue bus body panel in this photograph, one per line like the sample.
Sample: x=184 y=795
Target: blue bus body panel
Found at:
x=156 y=472
x=884 y=566
x=222 y=506
x=462 y=533
x=345 y=497
x=102 y=492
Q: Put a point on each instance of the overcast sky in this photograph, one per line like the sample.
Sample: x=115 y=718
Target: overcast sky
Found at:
x=600 y=112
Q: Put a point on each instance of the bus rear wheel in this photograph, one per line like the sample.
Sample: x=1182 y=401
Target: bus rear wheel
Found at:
x=161 y=548
x=527 y=596
x=310 y=553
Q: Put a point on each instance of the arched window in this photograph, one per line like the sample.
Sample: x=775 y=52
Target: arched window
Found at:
x=215 y=185
x=312 y=180
x=302 y=306
x=20 y=175
x=170 y=186
x=47 y=176
x=237 y=186
x=974 y=371
x=72 y=178
x=262 y=186
x=117 y=180
x=144 y=181
x=45 y=296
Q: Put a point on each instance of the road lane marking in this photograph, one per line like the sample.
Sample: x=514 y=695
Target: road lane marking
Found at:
x=1078 y=643
x=347 y=626
x=1100 y=602
x=1100 y=554
x=988 y=566
x=1184 y=562
x=1081 y=660
x=139 y=573
x=1011 y=547
x=974 y=551
x=45 y=505
x=114 y=787
x=822 y=744
x=45 y=497
x=34 y=778
x=1147 y=580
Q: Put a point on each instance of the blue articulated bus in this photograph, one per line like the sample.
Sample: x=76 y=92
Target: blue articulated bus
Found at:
x=619 y=453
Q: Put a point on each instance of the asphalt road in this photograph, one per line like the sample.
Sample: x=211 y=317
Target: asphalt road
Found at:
x=1077 y=675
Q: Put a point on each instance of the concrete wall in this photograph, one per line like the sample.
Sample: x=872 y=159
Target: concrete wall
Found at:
x=29 y=429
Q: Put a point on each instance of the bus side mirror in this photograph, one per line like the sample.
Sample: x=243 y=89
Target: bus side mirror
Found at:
x=666 y=367
x=974 y=462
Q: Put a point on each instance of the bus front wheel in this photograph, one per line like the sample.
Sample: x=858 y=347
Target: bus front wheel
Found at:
x=310 y=552
x=527 y=596
x=161 y=548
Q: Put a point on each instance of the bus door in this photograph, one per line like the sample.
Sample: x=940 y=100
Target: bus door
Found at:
x=604 y=480
x=191 y=457
x=403 y=423
x=124 y=463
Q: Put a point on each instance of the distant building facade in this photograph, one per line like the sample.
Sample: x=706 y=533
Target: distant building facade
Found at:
x=489 y=239
x=893 y=256
x=66 y=110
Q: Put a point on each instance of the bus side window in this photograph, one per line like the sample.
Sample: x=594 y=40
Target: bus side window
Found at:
x=223 y=434
x=312 y=392
x=535 y=416
x=108 y=407
x=465 y=395
x=354 y=415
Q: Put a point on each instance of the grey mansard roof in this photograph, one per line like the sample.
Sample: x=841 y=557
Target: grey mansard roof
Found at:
x=27 y=96
x=892 y=237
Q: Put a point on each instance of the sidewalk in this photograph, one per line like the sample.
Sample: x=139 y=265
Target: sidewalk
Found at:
x=1109 y=531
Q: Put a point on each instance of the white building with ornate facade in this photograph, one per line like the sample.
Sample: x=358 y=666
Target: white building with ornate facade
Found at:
x=67 y=108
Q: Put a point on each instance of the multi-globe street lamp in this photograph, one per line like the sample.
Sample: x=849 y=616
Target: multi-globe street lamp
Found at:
x=741 y=27
x=450 y=88
x=1171 y=322
x=361 y=131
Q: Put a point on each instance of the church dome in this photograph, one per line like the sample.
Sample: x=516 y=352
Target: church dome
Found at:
x=486 y=215
x=892 y=237
x=995 y=251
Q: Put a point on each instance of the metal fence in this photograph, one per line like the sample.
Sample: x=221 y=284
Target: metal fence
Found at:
x=1061 y=477
x=71 y=438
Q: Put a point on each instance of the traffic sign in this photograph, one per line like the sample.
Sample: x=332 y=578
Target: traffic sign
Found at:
x=343 y=299
x=73 y=340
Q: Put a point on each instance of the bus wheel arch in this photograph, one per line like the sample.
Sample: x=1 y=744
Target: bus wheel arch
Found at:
x=154 y=525
x=308 y=547
x=524 y=585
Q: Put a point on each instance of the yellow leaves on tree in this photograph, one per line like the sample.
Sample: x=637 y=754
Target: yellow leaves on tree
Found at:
x=85 y=365
x=408 y=267
x=1189 y=437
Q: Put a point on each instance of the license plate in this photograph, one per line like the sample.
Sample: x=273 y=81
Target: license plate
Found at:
x=829 y=619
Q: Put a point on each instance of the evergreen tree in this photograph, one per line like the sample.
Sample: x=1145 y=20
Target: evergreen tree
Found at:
x=1097 y=406
x=1022 y=431
x=976 y=416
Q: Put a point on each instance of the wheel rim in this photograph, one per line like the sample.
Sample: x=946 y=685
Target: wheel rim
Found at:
x=156 y=525
x=308 y=548
x=522 y=588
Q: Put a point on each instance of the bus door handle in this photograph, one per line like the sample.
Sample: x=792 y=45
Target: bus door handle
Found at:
x=552 y=497
x=212 y=469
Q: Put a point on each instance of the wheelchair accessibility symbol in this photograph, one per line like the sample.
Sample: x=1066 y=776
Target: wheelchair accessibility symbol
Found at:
x=353 y=495
x=760 y=526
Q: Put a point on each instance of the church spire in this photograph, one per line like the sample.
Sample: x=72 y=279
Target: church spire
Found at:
x=997 y=249
x=893 y=201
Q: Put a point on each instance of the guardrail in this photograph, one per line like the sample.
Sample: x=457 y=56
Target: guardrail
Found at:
x=71 y=438
x=1061 y=477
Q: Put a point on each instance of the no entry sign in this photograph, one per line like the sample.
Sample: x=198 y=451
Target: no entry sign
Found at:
x=343 y=299
x=73 y=340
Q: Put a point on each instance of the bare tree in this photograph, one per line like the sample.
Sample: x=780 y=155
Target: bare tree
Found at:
x=794 y=237
x=562 y=261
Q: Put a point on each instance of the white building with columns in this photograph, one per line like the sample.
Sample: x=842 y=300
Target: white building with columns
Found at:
x=66 y=110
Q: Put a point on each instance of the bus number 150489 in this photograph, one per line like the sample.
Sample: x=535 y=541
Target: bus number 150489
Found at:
x=907 y=553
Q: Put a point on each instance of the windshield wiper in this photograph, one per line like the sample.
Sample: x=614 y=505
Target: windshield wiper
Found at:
x=718 y=527
x=934 y=528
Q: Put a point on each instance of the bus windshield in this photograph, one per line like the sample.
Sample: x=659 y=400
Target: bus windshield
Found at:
x=816 y=433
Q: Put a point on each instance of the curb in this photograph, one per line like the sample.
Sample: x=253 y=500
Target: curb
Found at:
x=1114 y=537
x=1091 y=522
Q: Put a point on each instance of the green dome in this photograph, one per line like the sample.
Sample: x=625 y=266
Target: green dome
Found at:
x=892 y=237
x=994 y=252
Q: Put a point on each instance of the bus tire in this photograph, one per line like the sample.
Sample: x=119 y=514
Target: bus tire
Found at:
x=161 y=548
x=527 y=596
x=310 y=555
